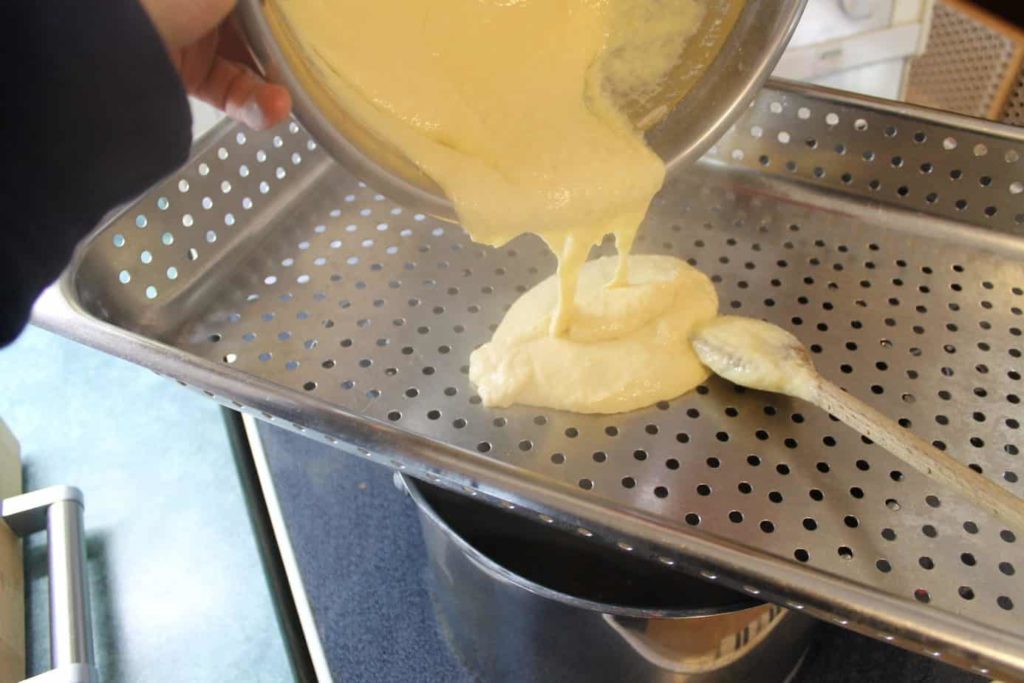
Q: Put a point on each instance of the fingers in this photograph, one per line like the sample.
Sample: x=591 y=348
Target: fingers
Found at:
x=274 y=102
x=214 y=68
x=242 y=95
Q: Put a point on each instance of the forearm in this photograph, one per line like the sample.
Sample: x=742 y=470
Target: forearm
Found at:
x=93 y=113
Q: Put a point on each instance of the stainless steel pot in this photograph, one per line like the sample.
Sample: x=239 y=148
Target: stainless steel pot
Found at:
x=753 y=46
x=520 y=601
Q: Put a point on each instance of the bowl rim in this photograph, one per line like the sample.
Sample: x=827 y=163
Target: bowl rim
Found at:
x=741 y=67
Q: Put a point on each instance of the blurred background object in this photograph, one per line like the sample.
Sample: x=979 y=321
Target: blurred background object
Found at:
x=973 y=63
x=12 y=584
x=954 y=55
x=863 y=46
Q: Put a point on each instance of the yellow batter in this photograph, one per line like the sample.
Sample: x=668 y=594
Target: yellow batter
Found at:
x=514 y=108
x=627 y=347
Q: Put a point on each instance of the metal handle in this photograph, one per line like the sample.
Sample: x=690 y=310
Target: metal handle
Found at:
x=58 y=510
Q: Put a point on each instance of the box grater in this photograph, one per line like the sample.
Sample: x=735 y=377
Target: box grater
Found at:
x=973 y=64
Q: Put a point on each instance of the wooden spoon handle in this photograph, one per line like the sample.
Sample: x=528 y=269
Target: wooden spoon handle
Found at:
x=919 y=454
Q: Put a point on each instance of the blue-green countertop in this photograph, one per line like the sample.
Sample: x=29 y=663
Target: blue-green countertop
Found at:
x=178 y=589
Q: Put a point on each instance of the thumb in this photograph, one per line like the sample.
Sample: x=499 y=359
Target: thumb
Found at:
x=182 y=22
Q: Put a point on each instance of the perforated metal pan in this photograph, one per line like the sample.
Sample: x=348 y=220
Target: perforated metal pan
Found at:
x=888 y=238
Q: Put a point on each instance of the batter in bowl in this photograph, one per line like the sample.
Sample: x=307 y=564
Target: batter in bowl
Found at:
x=512 y=107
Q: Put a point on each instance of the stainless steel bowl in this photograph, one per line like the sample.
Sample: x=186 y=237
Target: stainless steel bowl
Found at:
x=521 y=601
x=714 y=101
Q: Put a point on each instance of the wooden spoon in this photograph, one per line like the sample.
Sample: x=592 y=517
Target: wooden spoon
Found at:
x=762 y=356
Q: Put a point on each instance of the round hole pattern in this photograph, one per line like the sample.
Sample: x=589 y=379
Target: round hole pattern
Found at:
x=908 y=325
x=915 y=169
x=189 y=209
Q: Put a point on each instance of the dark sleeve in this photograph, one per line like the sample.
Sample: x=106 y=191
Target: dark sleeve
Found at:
x=92 y=113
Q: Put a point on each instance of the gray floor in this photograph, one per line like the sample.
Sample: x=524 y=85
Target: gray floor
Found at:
x=178 y=589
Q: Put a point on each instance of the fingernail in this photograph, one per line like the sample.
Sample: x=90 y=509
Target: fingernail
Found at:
x=250 y=114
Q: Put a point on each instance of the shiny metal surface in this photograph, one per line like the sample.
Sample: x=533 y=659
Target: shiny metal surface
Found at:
x=58 y=510
x=743 y=64
x=70 y=630
x=887 y=238
x=296 y=586
x=506 y=627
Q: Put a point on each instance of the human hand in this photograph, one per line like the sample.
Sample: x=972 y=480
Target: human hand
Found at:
x=210 y=54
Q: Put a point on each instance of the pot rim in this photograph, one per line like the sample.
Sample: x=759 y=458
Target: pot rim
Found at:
x=499 y=572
